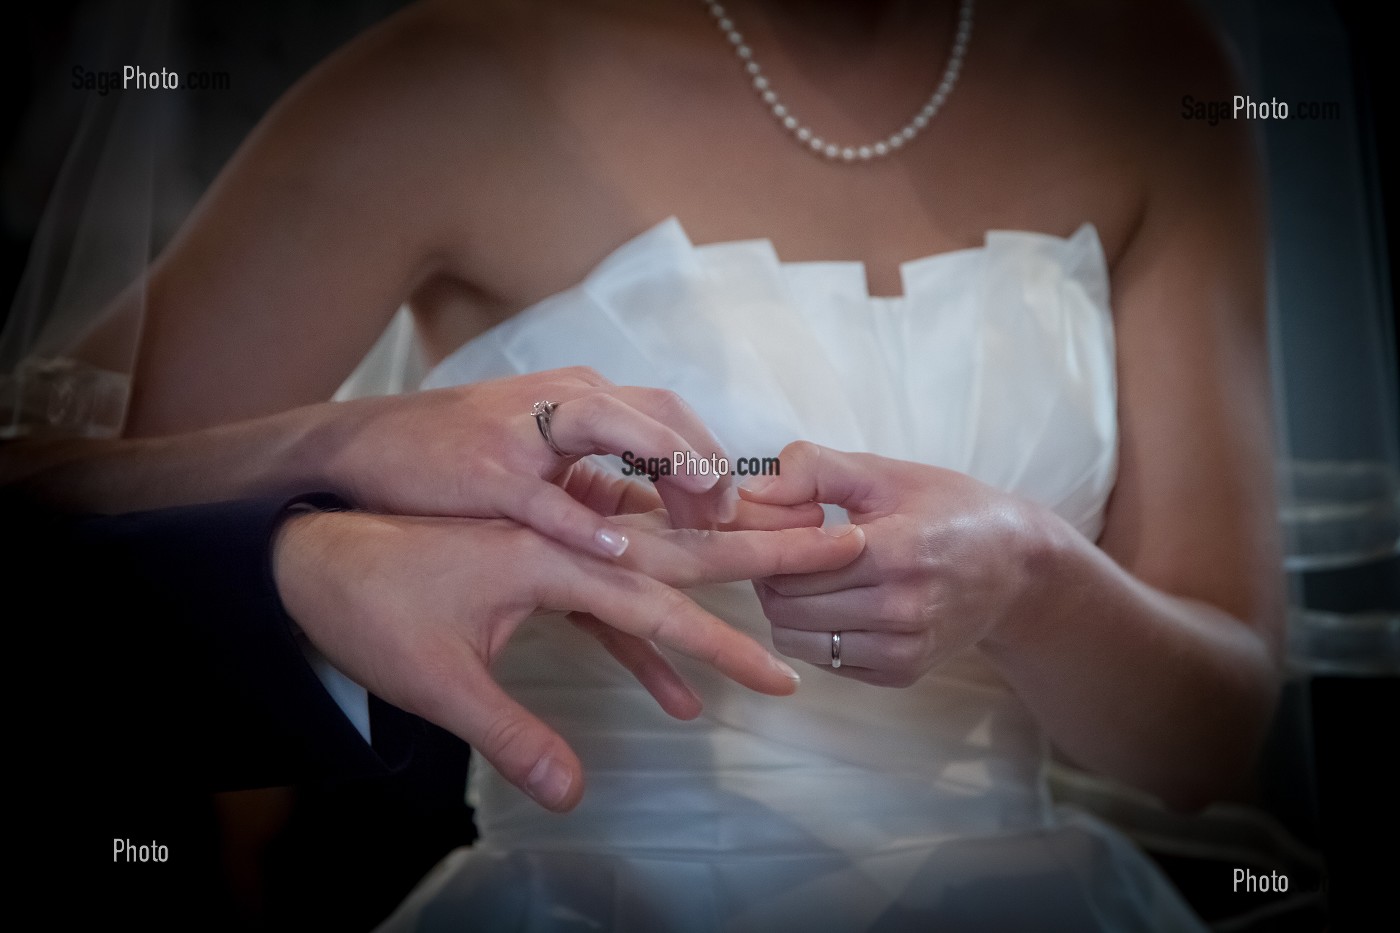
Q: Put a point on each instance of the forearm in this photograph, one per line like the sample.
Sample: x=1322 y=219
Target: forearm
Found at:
x=1166 y=693
x=282 y=454
x=168 y=628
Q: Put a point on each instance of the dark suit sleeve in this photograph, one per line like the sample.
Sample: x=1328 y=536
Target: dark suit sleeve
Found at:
x=166 y=644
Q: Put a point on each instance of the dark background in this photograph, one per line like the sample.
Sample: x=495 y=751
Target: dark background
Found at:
x=340 y=856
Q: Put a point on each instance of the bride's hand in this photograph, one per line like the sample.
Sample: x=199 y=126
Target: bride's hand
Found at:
x=476 y=451
x=416 y=609
x=947 y=559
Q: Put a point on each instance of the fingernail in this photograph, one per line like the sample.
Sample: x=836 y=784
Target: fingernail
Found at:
x=549 y=782
x=614 y=542
x=784 y=669
x=838 y=531
x=704 y=482
x=757 y=484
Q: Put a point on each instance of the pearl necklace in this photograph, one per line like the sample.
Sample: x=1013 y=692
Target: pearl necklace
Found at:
x=804 y=134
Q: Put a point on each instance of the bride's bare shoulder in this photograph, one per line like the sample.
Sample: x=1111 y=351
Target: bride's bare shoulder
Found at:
x=1133 y=46
x=434 y=74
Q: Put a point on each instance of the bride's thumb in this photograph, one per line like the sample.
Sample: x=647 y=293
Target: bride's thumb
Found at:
x=807 y=472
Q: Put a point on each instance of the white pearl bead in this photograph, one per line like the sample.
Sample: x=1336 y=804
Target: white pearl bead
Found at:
x=805 y=136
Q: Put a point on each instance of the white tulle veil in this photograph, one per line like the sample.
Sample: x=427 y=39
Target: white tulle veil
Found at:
x=94 y=243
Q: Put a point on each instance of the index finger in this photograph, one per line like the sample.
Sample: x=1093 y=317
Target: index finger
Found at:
x=691 y=510
x=689 y=557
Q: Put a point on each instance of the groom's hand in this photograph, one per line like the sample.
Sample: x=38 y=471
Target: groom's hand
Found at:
x=416 y=609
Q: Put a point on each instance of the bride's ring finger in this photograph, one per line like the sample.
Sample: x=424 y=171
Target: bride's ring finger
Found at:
x=858 y=649
x=543 y=412
x=599 y=423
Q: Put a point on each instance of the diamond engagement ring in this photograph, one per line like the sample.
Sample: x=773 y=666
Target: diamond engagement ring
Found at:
x=543 y=411
x=835 y=650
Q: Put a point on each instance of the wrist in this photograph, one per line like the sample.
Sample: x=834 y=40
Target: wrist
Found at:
x=1046 y=549
x=332 y=443
x=296 y=548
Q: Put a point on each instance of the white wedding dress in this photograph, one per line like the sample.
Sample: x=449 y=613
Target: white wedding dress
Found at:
x=845 y=807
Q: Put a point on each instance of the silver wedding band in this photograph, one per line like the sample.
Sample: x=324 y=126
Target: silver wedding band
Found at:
x=543 y=412
x=835 y=650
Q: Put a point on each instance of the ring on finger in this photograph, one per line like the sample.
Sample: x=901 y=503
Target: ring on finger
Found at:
x=544 y=412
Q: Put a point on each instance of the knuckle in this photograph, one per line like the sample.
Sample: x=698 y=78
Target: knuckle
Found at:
x=904 y=654
x=505 y=738
x=673 y=605
x=900 y=610
x=790 y=557
x=801 y=450
x=587 y=413
x=585 y=373
x=670 y=405
x=927 y=550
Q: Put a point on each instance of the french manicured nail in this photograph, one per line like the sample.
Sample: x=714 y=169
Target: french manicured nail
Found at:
x=549 y=782
x=838 y=531
x=757 y=484
x=614 y=542
x=782 y=668
x=703 y=482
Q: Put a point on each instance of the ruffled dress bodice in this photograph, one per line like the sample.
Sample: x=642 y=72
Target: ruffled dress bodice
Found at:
x=846 y=806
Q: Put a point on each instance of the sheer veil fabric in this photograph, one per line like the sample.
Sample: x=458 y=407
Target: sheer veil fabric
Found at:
x=845 y=807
